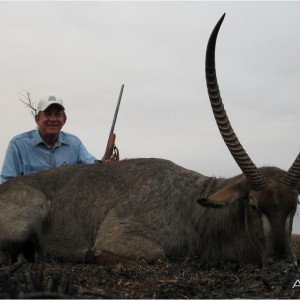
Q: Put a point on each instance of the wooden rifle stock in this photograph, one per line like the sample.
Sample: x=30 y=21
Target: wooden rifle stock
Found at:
x=110 y=148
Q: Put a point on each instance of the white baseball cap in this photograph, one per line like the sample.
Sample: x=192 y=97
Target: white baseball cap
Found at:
x=45 y=102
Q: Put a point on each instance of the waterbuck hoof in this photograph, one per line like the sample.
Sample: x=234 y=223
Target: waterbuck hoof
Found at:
x=106 y=258
x=4 y=258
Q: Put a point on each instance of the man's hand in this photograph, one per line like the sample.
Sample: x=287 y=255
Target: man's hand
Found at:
x=112 y=158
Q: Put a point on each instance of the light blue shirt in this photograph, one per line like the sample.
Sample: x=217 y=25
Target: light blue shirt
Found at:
x=27 y=153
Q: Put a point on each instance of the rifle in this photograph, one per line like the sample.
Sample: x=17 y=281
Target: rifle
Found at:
x=111 y=148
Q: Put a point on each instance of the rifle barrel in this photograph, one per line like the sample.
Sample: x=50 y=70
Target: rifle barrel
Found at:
x=117 y=110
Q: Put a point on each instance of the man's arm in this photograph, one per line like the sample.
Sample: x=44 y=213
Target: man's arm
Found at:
x=12 y=165
x=84 y=156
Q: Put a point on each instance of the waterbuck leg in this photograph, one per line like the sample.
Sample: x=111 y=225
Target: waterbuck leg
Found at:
x=22 y=215
x=128 y=239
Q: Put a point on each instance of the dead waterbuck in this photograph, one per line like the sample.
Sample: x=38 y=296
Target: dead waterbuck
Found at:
x=147 y=209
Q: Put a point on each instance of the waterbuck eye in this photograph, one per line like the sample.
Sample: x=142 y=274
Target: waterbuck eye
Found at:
x=252 y=202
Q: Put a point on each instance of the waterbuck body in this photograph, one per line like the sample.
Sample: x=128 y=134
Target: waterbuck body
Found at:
x=151 y=209
x=136 y=209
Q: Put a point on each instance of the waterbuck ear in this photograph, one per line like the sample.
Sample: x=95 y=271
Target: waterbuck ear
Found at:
x=226 y=195
x=209 y=203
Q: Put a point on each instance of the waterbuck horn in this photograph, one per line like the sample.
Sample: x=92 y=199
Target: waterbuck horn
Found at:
x=254 y=176
x=292 y=176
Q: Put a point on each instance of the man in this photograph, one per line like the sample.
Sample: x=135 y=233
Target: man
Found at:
x=47 y=146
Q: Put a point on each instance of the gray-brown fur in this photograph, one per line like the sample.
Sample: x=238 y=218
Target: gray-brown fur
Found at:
x=139 y=209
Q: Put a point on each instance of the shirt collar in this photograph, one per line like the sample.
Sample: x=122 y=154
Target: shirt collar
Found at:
x=37 y=140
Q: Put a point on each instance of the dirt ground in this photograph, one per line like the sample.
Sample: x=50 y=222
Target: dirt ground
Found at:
x=173 y=279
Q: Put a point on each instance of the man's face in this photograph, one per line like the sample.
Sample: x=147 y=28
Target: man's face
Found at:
x=51 y=121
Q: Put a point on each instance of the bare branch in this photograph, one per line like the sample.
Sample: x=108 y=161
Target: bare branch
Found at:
x=28 y=102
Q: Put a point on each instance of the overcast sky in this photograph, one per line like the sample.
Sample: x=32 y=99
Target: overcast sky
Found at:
x=84 y=51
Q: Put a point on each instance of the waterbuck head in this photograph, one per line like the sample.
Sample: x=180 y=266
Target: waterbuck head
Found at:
x=270 y=194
